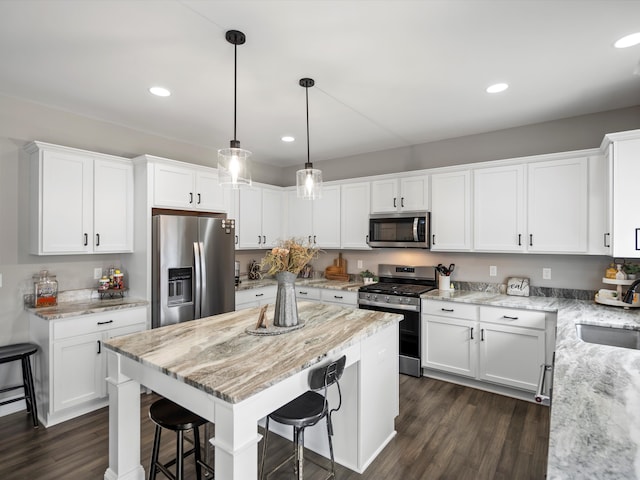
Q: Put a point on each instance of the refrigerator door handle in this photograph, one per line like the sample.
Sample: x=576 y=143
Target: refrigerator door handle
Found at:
x=203 y=282
x=197 y=287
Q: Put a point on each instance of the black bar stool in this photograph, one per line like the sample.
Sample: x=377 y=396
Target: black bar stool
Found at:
x=22 y=352
x=166 y=414
x=305 y=411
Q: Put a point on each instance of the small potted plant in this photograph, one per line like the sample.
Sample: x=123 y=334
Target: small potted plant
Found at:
x=368 y=277
x=632 y=270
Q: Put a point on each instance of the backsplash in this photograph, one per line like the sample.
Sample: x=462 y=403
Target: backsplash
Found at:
x=534 y=291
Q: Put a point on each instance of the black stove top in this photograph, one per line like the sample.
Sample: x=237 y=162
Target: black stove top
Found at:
x=402 y=280
x=404 y=289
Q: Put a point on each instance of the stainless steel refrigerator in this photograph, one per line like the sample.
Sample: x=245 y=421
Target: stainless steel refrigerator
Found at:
x=192 y=268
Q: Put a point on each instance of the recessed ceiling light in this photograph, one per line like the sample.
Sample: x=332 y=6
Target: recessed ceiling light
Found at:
x=288 y=138
x=628 y=41
x=160 y=91
x=497 y=88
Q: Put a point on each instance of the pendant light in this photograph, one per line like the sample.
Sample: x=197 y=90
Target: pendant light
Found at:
x=309 y=179
x=234 y=168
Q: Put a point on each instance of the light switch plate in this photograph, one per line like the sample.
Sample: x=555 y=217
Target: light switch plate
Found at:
x=359 y=263
x=546 y=274
x=97 y=273
x=493 y=271
x=0 y=280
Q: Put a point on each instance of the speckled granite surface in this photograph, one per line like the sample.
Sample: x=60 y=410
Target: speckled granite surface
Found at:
x=316 y=283
x=595 y=414
x=215 y=354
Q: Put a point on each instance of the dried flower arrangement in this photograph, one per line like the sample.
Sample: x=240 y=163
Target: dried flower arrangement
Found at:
x=289 y=256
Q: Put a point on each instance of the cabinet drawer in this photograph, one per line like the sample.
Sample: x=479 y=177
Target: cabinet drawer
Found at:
x=339 y=296
x=450 y=309
x=256 y=294
x=512 y=317
x=306 y=293
x=98 y=322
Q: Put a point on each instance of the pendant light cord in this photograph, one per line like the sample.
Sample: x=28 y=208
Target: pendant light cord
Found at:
x=308 y=151
x=235 y=87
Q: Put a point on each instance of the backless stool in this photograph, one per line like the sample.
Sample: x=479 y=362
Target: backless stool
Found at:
x=305 y=411
x=166 y=414
x=22 y=352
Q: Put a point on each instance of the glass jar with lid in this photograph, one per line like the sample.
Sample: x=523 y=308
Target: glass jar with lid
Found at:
x=45 y=289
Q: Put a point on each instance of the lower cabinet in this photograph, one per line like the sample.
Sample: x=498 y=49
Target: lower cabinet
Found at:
x=341 y=297
x=255 y=297
x=71 y=369
x=489 y=344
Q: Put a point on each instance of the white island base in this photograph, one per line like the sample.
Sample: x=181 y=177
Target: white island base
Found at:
x=198 y=378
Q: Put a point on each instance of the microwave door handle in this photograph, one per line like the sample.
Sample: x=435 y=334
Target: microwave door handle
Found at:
x=415 y=229
x=197 y=283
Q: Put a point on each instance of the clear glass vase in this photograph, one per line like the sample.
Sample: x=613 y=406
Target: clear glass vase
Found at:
x=286 y=310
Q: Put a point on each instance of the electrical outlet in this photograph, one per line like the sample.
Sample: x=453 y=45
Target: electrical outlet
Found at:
x=546 y=274
x=0 y=280
x=493 y=271
x=359 y=263
x=97 y=273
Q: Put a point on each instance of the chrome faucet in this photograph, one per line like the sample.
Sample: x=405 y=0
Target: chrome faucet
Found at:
x=628 y=296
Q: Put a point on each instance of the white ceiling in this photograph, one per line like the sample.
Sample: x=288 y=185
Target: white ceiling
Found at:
x=388 y=73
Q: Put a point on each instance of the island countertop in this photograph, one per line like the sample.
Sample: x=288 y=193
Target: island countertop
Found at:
x=215 y=354
x=595 y=411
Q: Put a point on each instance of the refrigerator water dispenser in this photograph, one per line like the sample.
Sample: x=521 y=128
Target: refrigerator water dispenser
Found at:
x=180 y=282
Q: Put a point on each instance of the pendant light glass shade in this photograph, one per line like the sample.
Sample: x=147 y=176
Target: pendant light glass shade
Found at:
x=234 y=168
x=309 y=179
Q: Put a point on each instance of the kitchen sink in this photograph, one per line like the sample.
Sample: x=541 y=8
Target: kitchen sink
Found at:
x=615 y=337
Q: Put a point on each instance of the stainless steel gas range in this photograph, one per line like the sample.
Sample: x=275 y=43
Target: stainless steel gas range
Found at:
x=398 y=291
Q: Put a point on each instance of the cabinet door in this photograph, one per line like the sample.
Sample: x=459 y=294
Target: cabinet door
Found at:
x=511 y=355
x=384 y=196
x=625 y=221
x=78 y=371
x=449 y=345
x=249 y=227
x=113 y=206
x=557 y=206
x=414 y=194
x=498 y=209
x=451 y=211
x=354 y=215
x=66 y=188
x=326 y=218
x=173 y=186
x=299 y=218
x=209 y=195
x=272 y=213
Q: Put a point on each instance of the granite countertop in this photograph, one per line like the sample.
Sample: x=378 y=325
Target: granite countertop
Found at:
x=215 y=354
x=595 y=412
x=351 y=286
x=85 y=307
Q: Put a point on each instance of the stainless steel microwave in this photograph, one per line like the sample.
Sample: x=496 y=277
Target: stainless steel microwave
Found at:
x=405 y=230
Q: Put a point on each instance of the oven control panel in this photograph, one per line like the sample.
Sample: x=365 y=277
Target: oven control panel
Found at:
x=389 y=301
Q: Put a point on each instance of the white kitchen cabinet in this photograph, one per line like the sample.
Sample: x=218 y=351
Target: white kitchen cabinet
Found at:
x=557 y=206
x=451 y=211
x=179 y=185
x=316 y=221
x=623 y=152
x=406 y=194
x=304 y=292
x=493 y=345
x=254 y=297
x=70 y=367
x=341 y=297
x=82 y=201
x=499 y=209
x=354 y=215
x=259 y=223
x=599 y=236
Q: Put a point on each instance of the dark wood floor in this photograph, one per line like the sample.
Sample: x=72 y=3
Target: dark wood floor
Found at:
x=445 y=431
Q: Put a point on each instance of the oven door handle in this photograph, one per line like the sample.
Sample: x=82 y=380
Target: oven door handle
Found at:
x=415 y=229
x=390 y=306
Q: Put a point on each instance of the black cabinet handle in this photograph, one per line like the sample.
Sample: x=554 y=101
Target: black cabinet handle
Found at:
x=105 y=323
x=605 y=240
x=303 y=293
x=509 y=318
x=482 y=334
x=259 y=239
x=394 y=202
x=433 y=239
x=531 y=239
x=99 y=347
x=259 y=294
x=339 y=297
x=97 y=239
x=236 y=239
x=637 y=230
x=190 y=197
x=402 y=202
x=471 y=333
x=199 y=199
x=264 y=239
x=314 y=239
x=519 y=239
x=86 y=239
x=447 y=309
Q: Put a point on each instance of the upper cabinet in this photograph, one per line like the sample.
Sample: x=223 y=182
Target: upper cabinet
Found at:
x=623 y=154
x=499 y=208
x=188 y=187
x=451 y=211
x=407 y=194
x=260 y=215
x=82 y=201
x=354 y=215
x=557 y=206
x=317 y=221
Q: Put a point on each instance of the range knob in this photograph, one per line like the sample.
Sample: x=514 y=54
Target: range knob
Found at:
x=375 y=298
x=386 y=299
x=368 y=296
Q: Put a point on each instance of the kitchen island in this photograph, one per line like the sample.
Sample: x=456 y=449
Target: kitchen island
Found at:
x=214 y=368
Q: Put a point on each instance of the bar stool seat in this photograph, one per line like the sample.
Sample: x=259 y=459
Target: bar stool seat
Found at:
x=171 y=416
x=22 y=352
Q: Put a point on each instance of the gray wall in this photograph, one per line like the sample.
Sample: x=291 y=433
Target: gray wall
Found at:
x=22 y=122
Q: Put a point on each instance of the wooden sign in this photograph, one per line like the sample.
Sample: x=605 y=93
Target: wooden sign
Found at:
x=518 y=286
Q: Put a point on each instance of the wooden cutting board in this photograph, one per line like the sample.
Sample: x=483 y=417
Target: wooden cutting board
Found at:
x=337 y=271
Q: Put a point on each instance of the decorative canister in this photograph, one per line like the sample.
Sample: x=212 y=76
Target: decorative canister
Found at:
x=45 y=288
x=118 y=280
x=104 y=283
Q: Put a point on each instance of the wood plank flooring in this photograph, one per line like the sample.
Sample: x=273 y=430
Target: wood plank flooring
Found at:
x=445 y=431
